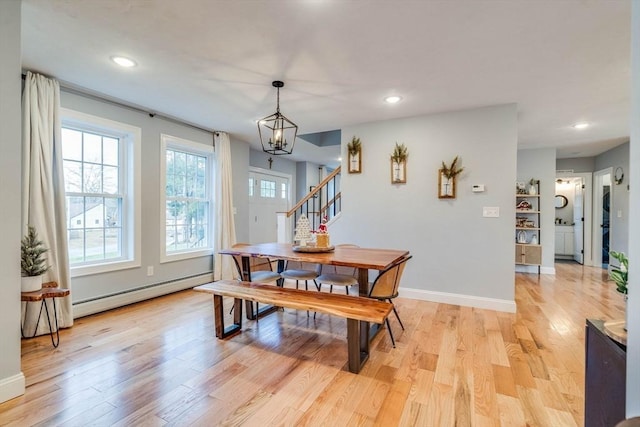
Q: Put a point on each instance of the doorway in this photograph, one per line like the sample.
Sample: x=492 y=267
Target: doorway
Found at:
x=569 y=219
x=576 y=242
x=601 y=213
x=269 y=193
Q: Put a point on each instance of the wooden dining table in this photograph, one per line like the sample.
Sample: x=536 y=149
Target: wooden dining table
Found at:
x=363 y=259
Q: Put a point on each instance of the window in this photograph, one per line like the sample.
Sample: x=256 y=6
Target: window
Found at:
x=187 y=169
x=100 y=176
x=251 y=187
x=267 y=189
x=283 y=190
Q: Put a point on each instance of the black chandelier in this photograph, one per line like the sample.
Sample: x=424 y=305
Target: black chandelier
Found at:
x=277 y=133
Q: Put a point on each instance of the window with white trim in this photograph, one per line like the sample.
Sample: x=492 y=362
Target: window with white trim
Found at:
x=267 y=188
x=187 y=198
x=99 y=158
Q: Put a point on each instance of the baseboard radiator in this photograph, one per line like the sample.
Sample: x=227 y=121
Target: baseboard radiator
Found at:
x=130 y=296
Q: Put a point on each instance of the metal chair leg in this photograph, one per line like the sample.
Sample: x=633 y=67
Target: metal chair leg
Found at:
x=393 y=342
x=396 y=313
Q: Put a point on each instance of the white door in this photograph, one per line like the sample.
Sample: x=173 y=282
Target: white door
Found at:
x=578 y=223
x=268 y=193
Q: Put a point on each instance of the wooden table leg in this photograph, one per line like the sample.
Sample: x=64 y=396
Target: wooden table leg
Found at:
x=251 y=312
x=218 y=316
x=358 y=348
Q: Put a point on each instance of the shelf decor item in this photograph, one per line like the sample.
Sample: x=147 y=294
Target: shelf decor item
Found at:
x=354 y=148
x=32 y=261
x=303 y=231
x=399 y=164
x=532 y=186
x=447 y=179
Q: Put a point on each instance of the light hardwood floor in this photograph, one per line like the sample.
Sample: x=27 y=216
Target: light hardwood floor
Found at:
x=158 y=362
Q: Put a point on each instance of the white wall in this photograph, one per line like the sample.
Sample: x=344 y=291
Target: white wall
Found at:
x=614 y=158
x=577 y=164
x=12 y=381
x=541 y=164
x=240 y=167
x=458 y=256
x=633 y=341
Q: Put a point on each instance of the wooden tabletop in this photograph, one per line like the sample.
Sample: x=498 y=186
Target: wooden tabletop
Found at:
x=49 y=290
x=363 y=258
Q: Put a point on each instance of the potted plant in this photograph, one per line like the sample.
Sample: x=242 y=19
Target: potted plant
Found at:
x=399 y=163
x=354 y=146
x=355 y=149
x=400 y=153
x=532 y=186
x=619 y=275
x=447 y=189
x=451 y=171
x=32 y=261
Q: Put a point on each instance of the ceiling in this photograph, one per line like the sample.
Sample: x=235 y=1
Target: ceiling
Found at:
x=211 y=63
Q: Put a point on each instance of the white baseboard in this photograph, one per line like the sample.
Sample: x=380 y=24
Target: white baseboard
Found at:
x=458 y=299
x=11 y=387
x=534 y=269
x=108 y=302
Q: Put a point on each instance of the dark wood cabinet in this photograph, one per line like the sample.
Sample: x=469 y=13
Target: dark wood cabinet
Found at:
x=605 y=377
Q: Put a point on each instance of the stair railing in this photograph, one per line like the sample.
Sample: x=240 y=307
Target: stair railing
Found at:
x=323 y=200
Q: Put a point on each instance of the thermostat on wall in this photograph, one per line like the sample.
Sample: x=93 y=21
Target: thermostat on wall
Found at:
x=478 y=188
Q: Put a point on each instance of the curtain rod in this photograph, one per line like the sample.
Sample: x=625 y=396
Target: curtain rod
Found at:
x=87 y=93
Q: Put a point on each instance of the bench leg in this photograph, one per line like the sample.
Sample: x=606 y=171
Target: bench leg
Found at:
x=357 y=344
x=218 y=316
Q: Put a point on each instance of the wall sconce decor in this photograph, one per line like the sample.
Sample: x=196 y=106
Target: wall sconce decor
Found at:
x=447 y=179
x=399 y=164
x=618 y=176
x=354 y=148
x=277 y=133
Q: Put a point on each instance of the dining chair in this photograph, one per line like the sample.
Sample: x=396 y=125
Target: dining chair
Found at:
x=261 y=270
x=385 y=288
x=299 y=270
x=335 y=275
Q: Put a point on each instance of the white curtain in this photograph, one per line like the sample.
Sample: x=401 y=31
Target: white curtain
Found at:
x=225 y=229
x=43 y=197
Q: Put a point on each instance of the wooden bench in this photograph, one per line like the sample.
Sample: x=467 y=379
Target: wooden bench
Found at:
x=357 y=310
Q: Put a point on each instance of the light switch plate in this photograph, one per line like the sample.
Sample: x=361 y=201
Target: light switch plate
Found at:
x=491 y=211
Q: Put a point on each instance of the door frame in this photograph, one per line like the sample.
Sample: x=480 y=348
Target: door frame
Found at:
x=597 y=213
x=587 y=179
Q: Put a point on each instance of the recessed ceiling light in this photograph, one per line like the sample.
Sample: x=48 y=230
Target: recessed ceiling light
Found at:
x=581 y=125
x=123 y=62
x=393 y=99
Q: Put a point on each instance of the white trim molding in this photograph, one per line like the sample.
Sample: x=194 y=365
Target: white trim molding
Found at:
x=11 y=387
x=458 y=299
x=532 y=269
x=108 y=302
